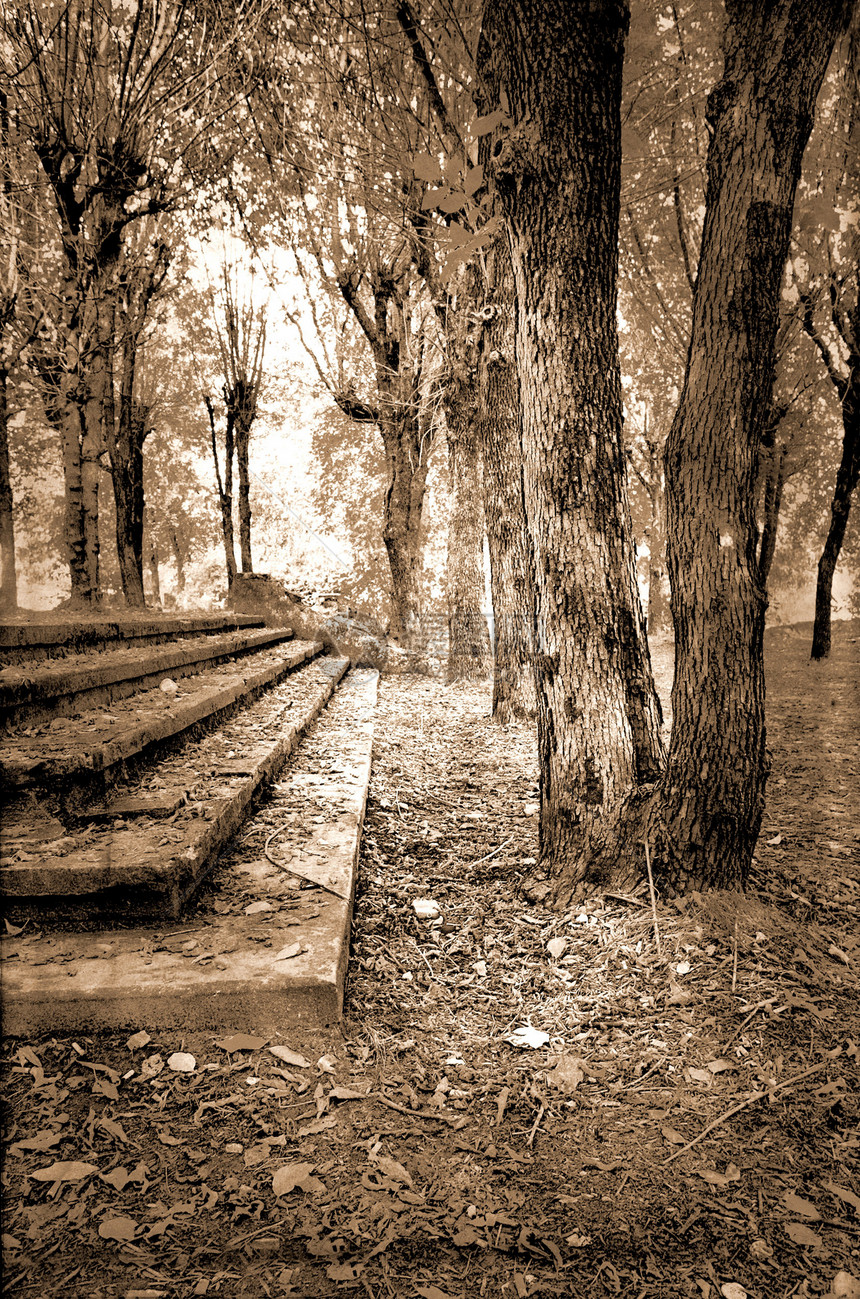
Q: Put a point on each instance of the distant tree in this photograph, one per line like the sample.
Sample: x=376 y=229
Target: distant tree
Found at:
x=827 y=278
x=239 y=326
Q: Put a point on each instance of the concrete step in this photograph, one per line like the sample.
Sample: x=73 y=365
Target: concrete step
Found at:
x=76 y=748
x=58 y=687
x=133 y=861
x=262 y=946
x=27 y=641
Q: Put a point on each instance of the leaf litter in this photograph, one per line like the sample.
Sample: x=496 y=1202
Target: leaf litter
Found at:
x=676 y=1120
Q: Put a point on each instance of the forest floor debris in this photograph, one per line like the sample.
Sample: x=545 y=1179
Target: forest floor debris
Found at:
x=521 y=1102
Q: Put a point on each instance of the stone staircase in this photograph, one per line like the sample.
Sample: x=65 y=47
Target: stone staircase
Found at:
x=133 y=755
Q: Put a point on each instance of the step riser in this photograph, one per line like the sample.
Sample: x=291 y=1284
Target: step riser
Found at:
x=32 y=643
x=33 y=703
x=27 y=774
x=165 y=889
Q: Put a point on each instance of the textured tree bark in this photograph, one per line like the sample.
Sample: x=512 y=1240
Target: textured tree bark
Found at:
x=243 y=439
x=706 y=816
x=557 y=171
x=401 y=527
x=511 y=576
x=468 y=638
x=126 y=455
x=8 y=577
x=773 y=487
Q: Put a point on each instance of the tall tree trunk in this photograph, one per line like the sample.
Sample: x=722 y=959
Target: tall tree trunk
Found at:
x=127 y=474
x=847 y=477
x=150 y=549
x=243 y=438
x=179 y=558
x=511 y=576
x=224 y=485
x=8 y=577
x=557 y=171
x=706 y=816
x=468 y=638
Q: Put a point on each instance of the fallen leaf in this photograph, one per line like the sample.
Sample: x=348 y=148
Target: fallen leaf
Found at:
x=731 y=1290
x=289 y=1177
x=673 y=1136
x=774 y=842
x=426 y=909
x=137 y=1040
x=391 y=1168
x=326 y=1063
x=526 y=1036
x=290 y=1057
x=346 y=1094
x=795 y=1204
x=848 y=1196
x=557 y=947
x=802 y=1235
x=720 y=1066
x=732 y=1174
x=700 y=1075
x=181 y=1062
x=256 y=908
x=117 y=1228
x=344 y=1271
x=64 y=1170
x=288 y=952
x=41 y=1141
x=240 y=1042
x=431 y=1292
x=605 y=1165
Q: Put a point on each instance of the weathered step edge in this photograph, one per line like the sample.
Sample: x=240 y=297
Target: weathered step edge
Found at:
x=25 y=772
x=45 y=635
x=174 y=879
x=247 y=990
x=41 y=684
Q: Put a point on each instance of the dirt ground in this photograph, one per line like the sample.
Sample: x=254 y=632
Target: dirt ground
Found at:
x=519 y=1103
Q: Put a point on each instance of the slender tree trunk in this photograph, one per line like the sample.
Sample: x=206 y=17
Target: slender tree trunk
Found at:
x=511 y=576
x=151 y=552
x=8 y=577
x=70 y=419
x=847 y=477
x=468 y=638
x=706 y=816
x=224 y=485
x=557 y=171
x=179 y=558
x=243 y=438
